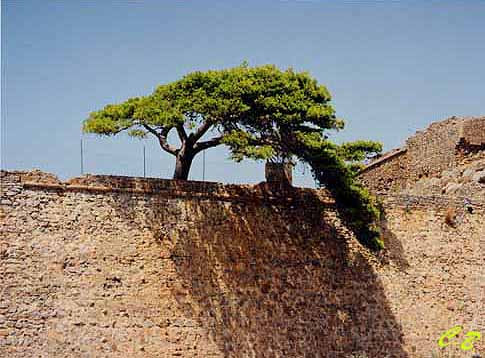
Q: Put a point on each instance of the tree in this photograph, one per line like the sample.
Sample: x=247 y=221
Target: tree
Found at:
x=259 y=113
x=247 y=109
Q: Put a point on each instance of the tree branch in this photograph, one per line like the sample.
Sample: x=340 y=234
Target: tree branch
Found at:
x=181 y=133
x=122 y=129
x=198 y=147
x=194 y=137
x=162 y=139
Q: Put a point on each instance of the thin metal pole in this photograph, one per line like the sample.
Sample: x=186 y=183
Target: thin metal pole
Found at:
x=144 y=163
x=203 y=165
x=82 y=157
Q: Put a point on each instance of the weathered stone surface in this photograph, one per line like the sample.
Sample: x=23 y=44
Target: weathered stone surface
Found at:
x=128 y=267
x=436 y=151
x=479 y=177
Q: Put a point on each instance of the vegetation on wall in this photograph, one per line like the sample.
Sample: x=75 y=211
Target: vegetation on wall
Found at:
x=356 y=206
x=258 y=113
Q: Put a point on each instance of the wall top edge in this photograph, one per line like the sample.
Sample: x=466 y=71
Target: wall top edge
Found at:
x=38 y=180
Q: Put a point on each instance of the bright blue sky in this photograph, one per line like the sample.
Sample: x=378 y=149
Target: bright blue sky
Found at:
x=392 y=67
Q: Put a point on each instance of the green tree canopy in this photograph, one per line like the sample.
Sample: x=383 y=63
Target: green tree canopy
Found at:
x=248 y=109
x=258 y=112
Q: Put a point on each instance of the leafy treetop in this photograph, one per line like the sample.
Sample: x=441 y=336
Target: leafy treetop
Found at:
x=258 y=112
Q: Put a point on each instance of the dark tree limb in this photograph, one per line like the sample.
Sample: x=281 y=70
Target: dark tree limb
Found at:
x=200 y=146
x=194 y=137
x=181 y=133
x=122 y=129
x=162 y=139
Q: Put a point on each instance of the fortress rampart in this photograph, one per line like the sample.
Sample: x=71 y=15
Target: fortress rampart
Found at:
x=115 y=266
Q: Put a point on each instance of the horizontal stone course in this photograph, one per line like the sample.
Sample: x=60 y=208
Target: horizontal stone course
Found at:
x=170 y=188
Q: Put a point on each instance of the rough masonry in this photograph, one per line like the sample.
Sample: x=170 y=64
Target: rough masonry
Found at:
x=105 y=266
x=443 y=146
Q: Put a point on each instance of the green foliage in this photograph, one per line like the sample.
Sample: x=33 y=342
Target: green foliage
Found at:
x=246 y=145
x=259 y=113
x=251 y=108
x=359 y=150
x=356 y=206
x=137 y=133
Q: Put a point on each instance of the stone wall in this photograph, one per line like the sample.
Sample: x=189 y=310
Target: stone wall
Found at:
x=115 y=267
x=473 y=132
x=441 y=281
x=439 y=148
x=381 y=175
x=433 y=150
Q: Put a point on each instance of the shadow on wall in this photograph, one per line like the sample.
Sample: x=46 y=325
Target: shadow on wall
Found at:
x=271 y=280
x=394 y=251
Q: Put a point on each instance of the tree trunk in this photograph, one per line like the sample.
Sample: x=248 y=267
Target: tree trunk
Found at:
x=182 y=166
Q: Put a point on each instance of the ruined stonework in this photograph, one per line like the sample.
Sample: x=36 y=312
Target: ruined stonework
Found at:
x=473 y=133
x=106 y=266
x=442 y=146
x=279 y=173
